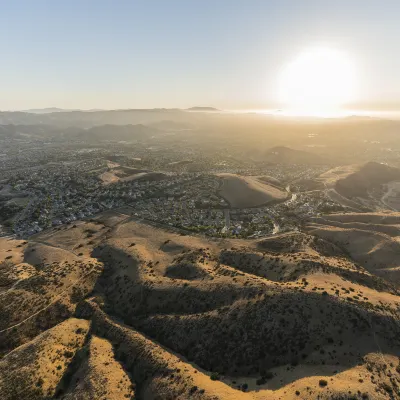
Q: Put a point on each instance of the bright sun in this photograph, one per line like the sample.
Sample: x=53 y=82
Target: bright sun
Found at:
x=318 y=82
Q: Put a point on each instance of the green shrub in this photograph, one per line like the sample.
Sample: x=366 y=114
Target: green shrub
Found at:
x=323 y=382
x=214 y=376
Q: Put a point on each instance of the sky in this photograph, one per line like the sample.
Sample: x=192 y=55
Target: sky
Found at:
x=181 y=53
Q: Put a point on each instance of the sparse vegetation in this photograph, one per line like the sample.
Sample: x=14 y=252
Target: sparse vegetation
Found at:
x=238 y=309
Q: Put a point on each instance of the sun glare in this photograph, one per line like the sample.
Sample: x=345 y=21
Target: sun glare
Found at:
x=318 y=82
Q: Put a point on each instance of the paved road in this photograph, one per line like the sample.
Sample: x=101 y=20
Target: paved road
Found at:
x=227 y=215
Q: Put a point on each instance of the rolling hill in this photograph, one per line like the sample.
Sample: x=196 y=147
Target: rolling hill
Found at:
x=355 y=180
x=248 y=191
x=126 y=174
x=365 y=177
x=114 y=308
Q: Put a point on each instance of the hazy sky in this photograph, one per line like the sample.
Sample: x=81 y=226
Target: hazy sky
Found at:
x=181 y=53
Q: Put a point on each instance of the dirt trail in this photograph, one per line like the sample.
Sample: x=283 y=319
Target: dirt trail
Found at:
x=57 y=297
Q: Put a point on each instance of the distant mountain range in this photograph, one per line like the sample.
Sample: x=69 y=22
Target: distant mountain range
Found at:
x=50 y=110
x=47 y=110
x=203 y=109
x=96 y=133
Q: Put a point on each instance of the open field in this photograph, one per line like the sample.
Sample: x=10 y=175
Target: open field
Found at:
x=126 y=174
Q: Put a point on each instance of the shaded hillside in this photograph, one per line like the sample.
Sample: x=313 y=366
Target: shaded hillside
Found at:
x=366 y=177
x=247 y=191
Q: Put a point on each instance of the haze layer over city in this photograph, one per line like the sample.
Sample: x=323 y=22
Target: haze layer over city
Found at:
x=199 y=200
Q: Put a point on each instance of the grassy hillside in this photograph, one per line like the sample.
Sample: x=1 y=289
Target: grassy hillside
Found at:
x=247 y=191
x=113 y=308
